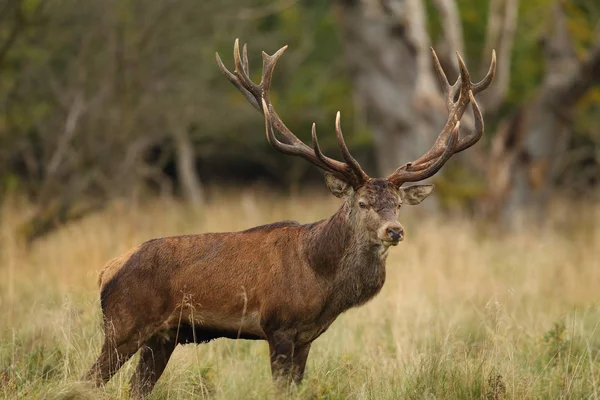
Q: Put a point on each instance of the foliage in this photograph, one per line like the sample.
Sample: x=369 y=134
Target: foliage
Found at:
x=89 y=97
x=140 y=69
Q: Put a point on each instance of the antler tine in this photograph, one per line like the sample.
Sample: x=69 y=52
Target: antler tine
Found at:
x=489 y=77
x=315 y=143
x=277 y=144
x=408 y=173
x=322 y=157
x=470 y=140
x=464 y=72
x=440 y=71
x=440 y=152
x=463 y=143
x=269 y=63
x=253 y=92
x=449 y=90
x=240 y=70
x=296 y=147
x=455 y=108
x=258 y=96
x=245 y=59
x=234 y=80
x=322 y=161
x=351 y=161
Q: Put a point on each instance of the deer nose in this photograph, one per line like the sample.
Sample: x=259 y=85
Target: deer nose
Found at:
x=395 y=233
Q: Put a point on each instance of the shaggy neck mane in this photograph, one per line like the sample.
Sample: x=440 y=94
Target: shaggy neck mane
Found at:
x=337 y=241
x=328 y=241
x=353 y=266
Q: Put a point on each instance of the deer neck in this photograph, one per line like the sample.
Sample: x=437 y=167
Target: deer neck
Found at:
x=350 y=263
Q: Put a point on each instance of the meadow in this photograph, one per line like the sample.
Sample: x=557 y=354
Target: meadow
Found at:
x=466 y=312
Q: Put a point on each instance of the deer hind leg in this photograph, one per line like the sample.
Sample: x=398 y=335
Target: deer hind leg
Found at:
x=112 y=357
x=154 y=357
x=121 y=341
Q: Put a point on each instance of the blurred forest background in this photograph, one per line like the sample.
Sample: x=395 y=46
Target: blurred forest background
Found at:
x=117 y=126
x=108 y=99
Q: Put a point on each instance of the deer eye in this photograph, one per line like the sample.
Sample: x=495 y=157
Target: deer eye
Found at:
x=362 y=204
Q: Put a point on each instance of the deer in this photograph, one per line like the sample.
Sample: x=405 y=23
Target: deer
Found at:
x=285 y=282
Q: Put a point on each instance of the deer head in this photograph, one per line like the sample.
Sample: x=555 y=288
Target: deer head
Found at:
x=373 y=203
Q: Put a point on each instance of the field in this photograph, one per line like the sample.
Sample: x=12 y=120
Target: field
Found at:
x=466 y=313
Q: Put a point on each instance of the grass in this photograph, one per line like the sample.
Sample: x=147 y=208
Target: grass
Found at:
x=464 y=314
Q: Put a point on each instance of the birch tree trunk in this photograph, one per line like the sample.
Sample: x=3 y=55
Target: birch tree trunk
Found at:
x=529 y=153
x=186 y=168
x=396 y=89
x=391 y=72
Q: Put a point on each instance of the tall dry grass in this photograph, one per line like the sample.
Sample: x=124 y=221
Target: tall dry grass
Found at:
x=465 y=313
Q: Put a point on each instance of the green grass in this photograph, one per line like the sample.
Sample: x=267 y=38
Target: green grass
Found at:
x=463 y=314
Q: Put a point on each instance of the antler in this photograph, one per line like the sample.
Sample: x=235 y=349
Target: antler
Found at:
x=258 y=95
x=448 y=142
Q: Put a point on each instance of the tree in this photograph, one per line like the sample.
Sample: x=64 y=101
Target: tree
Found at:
x=530 y=149
x=119 y=97
x=388 y=54
x=124 y=99
x=387 y=45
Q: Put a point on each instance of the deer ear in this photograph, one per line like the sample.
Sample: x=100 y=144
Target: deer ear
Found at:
x=413 y=195
x=337 y=187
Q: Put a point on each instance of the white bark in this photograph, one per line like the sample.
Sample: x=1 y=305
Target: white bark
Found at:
x=452 y=40
x=186 y=168
x=502 y=26
x=388 y=56
x=547 y=124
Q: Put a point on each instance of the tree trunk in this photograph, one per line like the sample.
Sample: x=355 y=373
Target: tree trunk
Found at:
x=384 y=55
x=531 y=154
x=186 y=168
x=544 y=142
x=390 y=64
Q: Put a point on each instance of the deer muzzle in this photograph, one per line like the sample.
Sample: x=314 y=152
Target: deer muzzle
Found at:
x=391 y=233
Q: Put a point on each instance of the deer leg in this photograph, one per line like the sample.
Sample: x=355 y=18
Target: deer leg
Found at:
x=281 y=347
x=299 y=362
x=112 y=357
x=154 y=357
x=120 y=343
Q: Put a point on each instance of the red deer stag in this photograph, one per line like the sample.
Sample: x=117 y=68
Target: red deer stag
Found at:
x=285 y=282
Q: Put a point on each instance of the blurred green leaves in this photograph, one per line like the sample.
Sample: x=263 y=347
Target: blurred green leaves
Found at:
x=143 y=67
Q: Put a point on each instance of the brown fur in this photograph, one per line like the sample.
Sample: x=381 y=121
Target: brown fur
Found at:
x=284 y=283
x=111 y=267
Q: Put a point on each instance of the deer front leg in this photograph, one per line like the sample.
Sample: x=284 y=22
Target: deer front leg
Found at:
x=299 y=362
x=281 y=347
